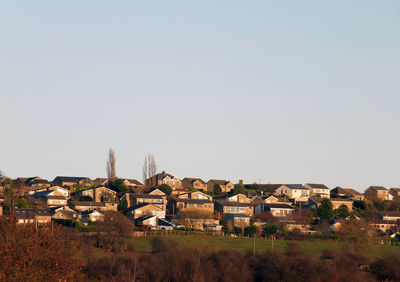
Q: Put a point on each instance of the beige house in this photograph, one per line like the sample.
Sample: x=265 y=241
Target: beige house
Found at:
x=395 y=192
x=194 y=183
x=63 y=213
x=294 y=191
x=99 y=194
x=51 y=198
x=192 y=201
x=68 y=181
x=91 y=205
x=315 y=202
x=226 y=186
x=33 y=216
x=94 y=216
x=155 y=197
x=239 y=220
x=277 y=210
x=377 y=193
x=318 y=190
x=164 y=178
x=347 y=192
x=145 y=210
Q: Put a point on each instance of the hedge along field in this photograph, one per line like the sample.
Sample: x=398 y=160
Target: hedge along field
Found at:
x=314 y=248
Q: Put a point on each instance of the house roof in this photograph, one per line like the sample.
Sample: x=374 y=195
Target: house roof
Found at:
x=237 y=215
x=219 y=181
x=69 y=178
x=378 y=187
x=144 y=218
x=296 y=186
x=234 y=204
x=340 y=200
x=397 y=190
x=147 y=196
x=350 y=191
x=191 y=180
x=200 y=201
x=87 y=203
x=278 y=206
x=141 y=205
x=163 y=222
x=317 y=186
x=32 y=212
x=389 y=213
x=133 y=182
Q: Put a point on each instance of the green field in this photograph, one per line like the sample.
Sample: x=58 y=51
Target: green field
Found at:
x=314 y=248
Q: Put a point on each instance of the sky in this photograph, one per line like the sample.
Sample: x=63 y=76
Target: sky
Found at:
x=264 y=91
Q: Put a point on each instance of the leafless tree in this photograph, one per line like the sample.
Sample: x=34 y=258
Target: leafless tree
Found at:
x=149 y=167
x=111 y=164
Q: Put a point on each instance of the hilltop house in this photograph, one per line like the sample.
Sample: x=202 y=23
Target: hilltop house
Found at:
x=33 y=216
x=155 y=197
x=297 y=192
x=63 y=212
x=234 y=205
x=51 y=197
x=374 y=193
x=195 y=201
x=194 y=183
x=99 y=194
x=314 y=202
x=164 y=178
x=277 y=210
x=145 y=210
x=226 y=186
x=318 y=190
x=348 y=193
x=395 y=192
x=68 y=181
x=91 y=205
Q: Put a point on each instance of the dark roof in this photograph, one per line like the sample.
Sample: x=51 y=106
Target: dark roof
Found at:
x=397 y=190
x=200 y=201
x=69 y=178
x=143 y=218
x=39 y=181
x=163 y=222
x=350 y=191
x=296 y=186
x=42 y=193
x=43 y=212
x=139 y=206
x=236 y=215
x=87 y=203
x=218 y=181
x=191 y=180
x=378 y=187
x=56 y=197
x=389 y=213
x=278 y=206
x=317 y=186
x=234 y=204
x=149 y=196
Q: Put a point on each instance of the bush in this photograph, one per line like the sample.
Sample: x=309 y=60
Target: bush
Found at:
x=250 y=230
x=386 y=269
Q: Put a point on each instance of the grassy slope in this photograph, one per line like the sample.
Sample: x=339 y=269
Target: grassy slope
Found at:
x=244 y=244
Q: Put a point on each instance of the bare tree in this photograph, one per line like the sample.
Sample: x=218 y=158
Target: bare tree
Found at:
x=149 y=168
x=111 y=164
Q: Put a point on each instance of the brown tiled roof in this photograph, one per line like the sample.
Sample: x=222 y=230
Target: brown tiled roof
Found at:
x=191 y=180
x=378 y=187
x=133 y=182
x=219 y=181
x=397 y=190
x=87 y=203
x=235 y=204
x=350 y=191
x=317 y=186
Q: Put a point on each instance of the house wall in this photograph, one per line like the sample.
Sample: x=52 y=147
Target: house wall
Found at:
x=203 y=207
x=249 y=211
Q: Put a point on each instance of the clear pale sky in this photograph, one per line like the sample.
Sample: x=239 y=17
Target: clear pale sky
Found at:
x=270 y=91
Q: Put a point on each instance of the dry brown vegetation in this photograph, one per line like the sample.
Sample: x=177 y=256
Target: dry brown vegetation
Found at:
x=55 y=254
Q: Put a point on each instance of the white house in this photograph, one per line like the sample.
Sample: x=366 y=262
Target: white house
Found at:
x=294 y=191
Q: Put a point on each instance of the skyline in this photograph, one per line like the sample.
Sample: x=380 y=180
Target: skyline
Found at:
x=271 y=92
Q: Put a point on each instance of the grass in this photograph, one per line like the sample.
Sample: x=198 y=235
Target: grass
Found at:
x=314 y=248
